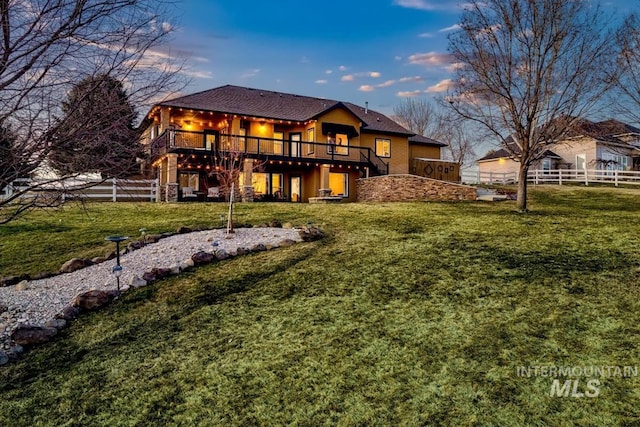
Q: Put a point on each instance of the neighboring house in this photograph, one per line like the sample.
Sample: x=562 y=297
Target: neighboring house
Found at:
x=605 y=145
x=307 y=147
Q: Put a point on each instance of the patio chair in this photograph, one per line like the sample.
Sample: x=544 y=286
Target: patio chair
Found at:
x=187 y=193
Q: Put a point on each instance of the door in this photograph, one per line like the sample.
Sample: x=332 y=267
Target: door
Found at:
x=295 y=139
x=296 y=189
x=210 y=138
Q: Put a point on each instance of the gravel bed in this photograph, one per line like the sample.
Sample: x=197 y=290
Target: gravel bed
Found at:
x=41 y=300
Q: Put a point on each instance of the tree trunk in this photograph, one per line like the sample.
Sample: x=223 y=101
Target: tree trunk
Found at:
x=521 y=202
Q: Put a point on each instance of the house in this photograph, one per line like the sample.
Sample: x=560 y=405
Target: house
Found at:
x=605 y=145
x=291 y=147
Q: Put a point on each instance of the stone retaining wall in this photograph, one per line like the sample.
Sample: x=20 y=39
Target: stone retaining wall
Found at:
x=407 y=188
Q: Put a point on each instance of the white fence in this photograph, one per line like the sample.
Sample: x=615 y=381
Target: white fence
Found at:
x=555 y=176
x=585 y=176
x=100 y=190
x=477 y=177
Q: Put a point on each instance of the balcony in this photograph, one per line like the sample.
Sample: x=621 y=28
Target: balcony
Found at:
x=178 y=141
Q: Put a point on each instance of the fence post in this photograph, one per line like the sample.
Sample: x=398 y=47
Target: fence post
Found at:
x=478 y=179
x=114 y=194
x=586 y=177
x=537 y=178
x=615 y=175
x=490 y=178
x=559 y=176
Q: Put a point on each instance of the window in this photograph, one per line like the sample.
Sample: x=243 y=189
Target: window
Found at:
x=278 y=144
x=546 y=166
x=190 y=180
x=613 y=162
x=338 y=144
x=339 y=184
x=311 y=137
x=265 y=183
x=383 y=147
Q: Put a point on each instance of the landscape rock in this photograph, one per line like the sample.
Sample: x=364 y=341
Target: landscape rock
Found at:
x=29 y=335
x=135 y=245
x=287 y=225
x=22 y=286
x=221 y=254
x=274 y=223
x=91 y=300
x=152 y=238
x=56 y=323
x=287 y=242
x=110 y=255
x=270 y=246
x=41 y=275
x=183 y=230
x=175 y=269
x=156 y=274
x=242 y=251
x=13 y=280
x=73 y=265
x=310 y=234
x=258 y=247
x=202 y=258
x=187 y=263
x=69 y=313
x=4 y=358
x=98 y=260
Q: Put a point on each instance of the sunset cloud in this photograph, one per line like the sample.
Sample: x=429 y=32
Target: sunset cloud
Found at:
x=441 y=86
x=453 y=27
x=408 y=94
x=387 y=83
x=430 y=59
x=367 y=88
x=347 y=78
x=413 y=79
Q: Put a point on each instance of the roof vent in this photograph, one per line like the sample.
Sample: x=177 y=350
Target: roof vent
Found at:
x=366 y=107
x=378 y=119
x=261 y=94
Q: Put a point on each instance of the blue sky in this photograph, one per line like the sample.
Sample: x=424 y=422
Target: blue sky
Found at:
x=377 y=51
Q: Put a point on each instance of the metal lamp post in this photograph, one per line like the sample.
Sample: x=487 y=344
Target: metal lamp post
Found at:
x=117 y=269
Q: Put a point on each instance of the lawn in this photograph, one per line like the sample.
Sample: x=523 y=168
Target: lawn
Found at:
x=405 y=314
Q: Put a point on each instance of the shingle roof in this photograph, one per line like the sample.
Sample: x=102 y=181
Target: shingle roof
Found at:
x=277 y=105
x=497 y=154
x=420 y=139
x=374 y=121
x=253 y=102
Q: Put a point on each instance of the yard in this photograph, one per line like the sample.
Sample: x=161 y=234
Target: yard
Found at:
x=406 y=314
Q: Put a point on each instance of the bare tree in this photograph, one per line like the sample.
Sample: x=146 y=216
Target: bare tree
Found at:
x=527 y=70
x=416 y=114
x=461 y=143
x=628 y=86
x=48 y=46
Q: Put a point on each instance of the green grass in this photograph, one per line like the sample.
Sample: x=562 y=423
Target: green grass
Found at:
x=406 y=314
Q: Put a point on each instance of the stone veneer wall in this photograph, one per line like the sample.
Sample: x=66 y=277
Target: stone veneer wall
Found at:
x=407 y=188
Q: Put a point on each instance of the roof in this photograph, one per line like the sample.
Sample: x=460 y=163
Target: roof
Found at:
x=609 y=131
x=420 y=139
x=281 y=106
x=253 y=102
x=502 y=153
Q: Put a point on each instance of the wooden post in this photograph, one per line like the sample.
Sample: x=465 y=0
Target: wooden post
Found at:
x=615 y=176
x=586 y=177
x=559 y=176
x=114 y=191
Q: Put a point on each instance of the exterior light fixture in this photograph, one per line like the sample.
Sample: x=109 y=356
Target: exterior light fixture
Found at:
x=117 y=269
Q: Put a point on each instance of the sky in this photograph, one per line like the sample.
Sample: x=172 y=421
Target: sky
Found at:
x=375 y=51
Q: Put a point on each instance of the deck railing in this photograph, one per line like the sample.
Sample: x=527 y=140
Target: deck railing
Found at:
x=172 y=140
